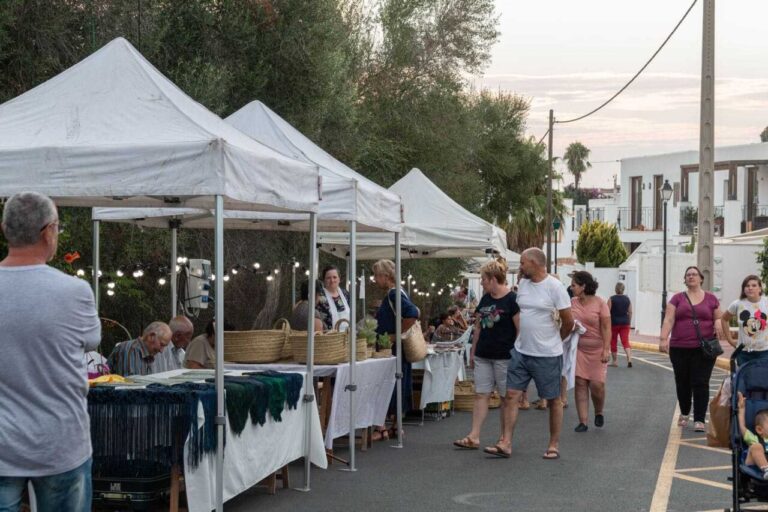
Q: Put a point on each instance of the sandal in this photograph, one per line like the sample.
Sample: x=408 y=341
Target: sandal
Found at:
x=498 y=451
x=466 y=444
x=380 y=435
x=524 y=406
x=551 y=454
x=541 y=405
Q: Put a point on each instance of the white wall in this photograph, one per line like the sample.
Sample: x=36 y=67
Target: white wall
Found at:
x=735 y=262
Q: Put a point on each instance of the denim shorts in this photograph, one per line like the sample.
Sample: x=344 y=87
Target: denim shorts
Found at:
x=70 y=491
x=490 y=374
x=545 y=372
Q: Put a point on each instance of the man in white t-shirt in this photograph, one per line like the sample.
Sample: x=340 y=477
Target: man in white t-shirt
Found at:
x=538 y=350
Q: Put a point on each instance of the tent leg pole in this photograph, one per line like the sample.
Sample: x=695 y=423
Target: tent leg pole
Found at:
x=174 y=274
x=96 y=262
x=219 y=327
x=399 y=341
x=352 y=387
x=309 y=396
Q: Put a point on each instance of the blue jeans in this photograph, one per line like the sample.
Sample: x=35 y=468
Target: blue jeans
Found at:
x=65 y=492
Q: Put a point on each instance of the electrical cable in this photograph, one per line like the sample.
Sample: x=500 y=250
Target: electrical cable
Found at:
x=636 y=74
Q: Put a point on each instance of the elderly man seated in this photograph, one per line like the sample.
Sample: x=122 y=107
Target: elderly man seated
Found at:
x=135 y=357
x=172 y=356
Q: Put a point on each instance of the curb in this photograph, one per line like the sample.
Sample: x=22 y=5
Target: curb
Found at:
x=722 y=362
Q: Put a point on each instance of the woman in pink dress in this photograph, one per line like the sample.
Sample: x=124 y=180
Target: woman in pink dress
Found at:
x=593 y=350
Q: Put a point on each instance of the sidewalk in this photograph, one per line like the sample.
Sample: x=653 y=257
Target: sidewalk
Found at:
x=651 y=343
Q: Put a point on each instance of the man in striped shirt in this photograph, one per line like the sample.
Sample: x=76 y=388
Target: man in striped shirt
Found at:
x=135 y=357
x=172 y=356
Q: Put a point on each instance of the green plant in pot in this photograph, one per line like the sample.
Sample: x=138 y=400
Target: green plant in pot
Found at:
x=383 y=342
x=367 y=329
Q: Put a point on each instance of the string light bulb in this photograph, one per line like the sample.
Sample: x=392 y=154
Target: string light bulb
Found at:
x=111 y=293
x=226 y=277
x=306 y=272
x=269 y=278
x=234 y=271
x=257 y=265
x=276 y=271
x=111 y=285
x=161 y=281
x=120 y=273
x=213 y=277
x=178 y=268
x=296 y=264
x=80 y=272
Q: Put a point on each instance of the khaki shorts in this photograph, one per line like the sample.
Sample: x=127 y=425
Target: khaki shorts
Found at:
x=490 y=374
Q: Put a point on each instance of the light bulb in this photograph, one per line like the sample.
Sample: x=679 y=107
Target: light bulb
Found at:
x=213 y=277
x=179 y=260
x=257 y=266
x=269 y=278
x=296 y=264
x=306 y=272
x=226 y=277
x=80 y=273
x=372 y=279
x=99 y=273
x=111 y=285
x=135 y=273
x=413 y=282
x=120 y=273
x=276 y=271
x=161 y=281
x=415 y=290
x=110 y=292
x=432 y=285
x=178 y=268
x=402 y=283
x=234 y=271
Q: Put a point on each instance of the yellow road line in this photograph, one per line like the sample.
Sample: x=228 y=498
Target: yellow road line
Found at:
x=710 y=468
x=660 y=498
x=703 y=481
x=704 y=447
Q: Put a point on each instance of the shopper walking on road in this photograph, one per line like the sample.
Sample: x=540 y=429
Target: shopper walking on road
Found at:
x=593 y=347
x=621 y=318
x=691 y=366
x=538 y=351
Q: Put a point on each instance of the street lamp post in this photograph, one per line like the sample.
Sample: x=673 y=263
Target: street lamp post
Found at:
x=556 y=227
x=666 y=195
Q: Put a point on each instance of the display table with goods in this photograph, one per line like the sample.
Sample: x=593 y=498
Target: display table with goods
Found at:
x=443 y=366
x=150 y=430
x=375 y=385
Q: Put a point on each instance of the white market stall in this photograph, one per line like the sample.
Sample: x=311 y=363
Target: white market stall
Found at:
x=349 y=202
x=112 y=130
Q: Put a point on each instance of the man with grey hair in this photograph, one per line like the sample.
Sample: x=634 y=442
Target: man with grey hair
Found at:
x=538 y=351
x=135 y=357
x=49 y=322
x=172 y=356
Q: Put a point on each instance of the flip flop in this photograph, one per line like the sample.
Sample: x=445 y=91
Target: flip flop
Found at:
x=551 y=454
x=498 y=451
x=466 y=444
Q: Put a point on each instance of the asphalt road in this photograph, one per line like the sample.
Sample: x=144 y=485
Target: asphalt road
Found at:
x=613 y=468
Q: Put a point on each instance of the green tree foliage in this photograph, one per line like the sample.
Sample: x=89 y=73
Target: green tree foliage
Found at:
x=764 y=135
x=762 y=258
x=599 y=242
x=576 y=160
x=380 y=85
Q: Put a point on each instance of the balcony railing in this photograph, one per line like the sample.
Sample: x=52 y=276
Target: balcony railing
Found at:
x=586 y=215
x=637 y=219
x=689 y=218
x=758 y=215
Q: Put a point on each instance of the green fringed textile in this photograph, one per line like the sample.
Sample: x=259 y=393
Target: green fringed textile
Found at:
x=293 y=385
x=151 y=424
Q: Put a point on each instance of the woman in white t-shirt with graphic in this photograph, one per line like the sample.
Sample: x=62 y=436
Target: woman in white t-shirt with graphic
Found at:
x=751 y=314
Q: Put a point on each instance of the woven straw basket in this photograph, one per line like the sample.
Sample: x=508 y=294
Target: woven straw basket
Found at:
x=330 y=348
x=283 y=324
x=361 y=348
x=264 y=346
x=464 y=396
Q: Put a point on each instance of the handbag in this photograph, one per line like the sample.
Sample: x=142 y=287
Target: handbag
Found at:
x=414 y=344
x=710 y=347
x=719 y=426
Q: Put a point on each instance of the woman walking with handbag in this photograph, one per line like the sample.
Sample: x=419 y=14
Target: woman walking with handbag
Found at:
x=692 y=318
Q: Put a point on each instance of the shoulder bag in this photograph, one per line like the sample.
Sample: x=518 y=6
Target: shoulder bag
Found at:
x=710 y=347
x=414 y=344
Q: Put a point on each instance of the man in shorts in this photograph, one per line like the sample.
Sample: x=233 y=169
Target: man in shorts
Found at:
x=538 y=351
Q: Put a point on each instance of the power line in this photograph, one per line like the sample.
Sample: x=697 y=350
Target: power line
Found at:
x=636 y=74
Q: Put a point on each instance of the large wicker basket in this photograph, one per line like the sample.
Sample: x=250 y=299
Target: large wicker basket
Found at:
x=464 y=396
x=361 y=348
x=283 y=324
x=264 y=346
x=330 y=348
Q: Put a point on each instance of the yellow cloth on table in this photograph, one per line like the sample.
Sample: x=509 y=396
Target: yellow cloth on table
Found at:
x=107 y=378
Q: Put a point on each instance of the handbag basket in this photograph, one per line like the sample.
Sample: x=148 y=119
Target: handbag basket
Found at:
x=464 y=396
x=283 y=324
x=414 y=344
x=330 y=347
x=264 y=346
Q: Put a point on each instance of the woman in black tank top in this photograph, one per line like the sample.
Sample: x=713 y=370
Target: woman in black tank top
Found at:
x=621 y=318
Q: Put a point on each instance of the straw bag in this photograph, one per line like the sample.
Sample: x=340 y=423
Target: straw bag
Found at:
x=361 y=347
x=283 y=324
x=330 y=347
x=264 y=346
x=414 y=344
x=464 y=397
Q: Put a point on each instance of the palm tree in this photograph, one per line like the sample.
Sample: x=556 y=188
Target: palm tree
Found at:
x=576 y=155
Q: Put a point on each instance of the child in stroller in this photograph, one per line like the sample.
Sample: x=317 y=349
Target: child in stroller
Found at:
x=758 y=446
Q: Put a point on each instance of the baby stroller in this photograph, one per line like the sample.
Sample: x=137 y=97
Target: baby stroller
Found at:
x=751 y=379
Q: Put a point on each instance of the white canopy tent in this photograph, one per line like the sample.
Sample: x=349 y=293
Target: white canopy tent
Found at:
x=112 y=130
x=350 y=202
x=434 y=226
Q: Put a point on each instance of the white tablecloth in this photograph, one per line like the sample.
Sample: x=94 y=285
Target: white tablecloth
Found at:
x=255 y=454
x=375 y=384
x=440 y=373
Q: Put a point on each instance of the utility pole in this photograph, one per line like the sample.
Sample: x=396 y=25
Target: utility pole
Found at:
x=549 y=193
x=705 y=245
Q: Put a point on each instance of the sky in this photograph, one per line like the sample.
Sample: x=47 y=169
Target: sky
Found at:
x=571 y=56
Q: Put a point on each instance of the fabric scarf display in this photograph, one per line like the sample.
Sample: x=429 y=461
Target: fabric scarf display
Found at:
x=151 y=424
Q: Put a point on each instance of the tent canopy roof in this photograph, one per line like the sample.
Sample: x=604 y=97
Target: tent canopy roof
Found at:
x=112 y=130
x=435 y=226
x=346 y=194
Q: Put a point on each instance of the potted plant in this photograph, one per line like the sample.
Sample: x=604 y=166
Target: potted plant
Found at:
x=367 y=330
x=384 y=346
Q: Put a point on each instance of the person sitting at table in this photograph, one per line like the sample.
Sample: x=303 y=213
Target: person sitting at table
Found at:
x=301 y=309
x=172 y=356
x=135 y=357
x=447 y=330
x=458 y=318
x=201 y=352
x=334 y=305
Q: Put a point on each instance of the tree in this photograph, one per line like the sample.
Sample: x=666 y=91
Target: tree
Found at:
x=576 y=155
x=764 y=135
x=762 y=258
x=599 y=242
